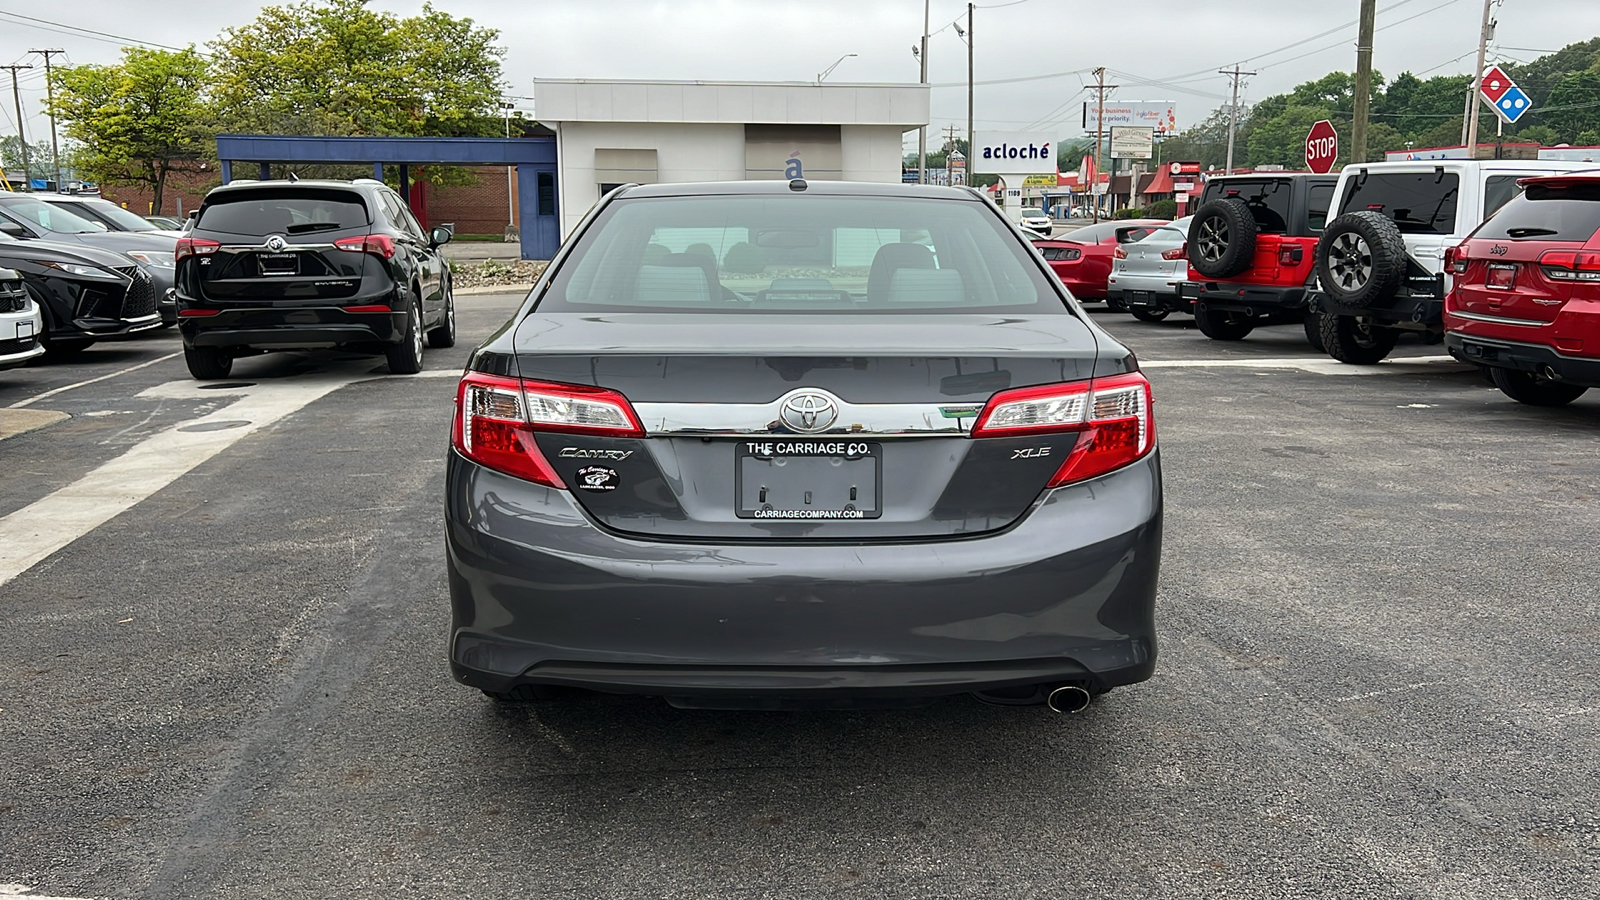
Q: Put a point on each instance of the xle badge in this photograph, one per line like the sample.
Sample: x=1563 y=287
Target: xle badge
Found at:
x=597 y=478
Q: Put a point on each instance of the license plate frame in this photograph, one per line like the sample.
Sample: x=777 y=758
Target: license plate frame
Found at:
x=774 y=478
x=287 y=263
x=1139 y=298
x=1500 y=277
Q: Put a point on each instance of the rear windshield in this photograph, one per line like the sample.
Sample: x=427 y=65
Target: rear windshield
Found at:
x=1268 y=199
x=800 y=253
x=105 y=209
x=283 y=211
x=1547 y=212
x=1417 y=202
x=51 y=218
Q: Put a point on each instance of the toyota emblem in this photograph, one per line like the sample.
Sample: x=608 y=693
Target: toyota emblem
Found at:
x=276 y=243
x=809 y=411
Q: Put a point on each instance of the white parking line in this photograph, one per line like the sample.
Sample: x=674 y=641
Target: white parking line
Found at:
x=51 y=393
x=22 y=891
x=33 y=532
x=1413 y=365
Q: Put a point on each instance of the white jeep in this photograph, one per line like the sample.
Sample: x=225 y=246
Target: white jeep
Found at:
x=1380 y=261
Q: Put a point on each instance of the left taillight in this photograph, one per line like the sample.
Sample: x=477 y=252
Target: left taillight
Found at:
x=193 y=247
x=1113 y=416
x=497 y=418
x=1119 y=253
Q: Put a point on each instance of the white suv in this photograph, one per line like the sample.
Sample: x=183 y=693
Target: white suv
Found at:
x=20 y=322
x=1380 y=261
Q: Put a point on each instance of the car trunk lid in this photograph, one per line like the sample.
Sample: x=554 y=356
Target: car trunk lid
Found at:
x=805 y=427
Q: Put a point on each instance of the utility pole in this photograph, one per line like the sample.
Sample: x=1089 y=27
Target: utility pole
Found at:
x=1233 y=112
x=922 y=133
x=50 y=97
x=22 y=139
x=1470 y=131
x=972 y=136
x=1363 y=99
x=1100 y=87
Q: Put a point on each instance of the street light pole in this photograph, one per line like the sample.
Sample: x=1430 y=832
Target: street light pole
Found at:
x=511 y=200
x=971 y=135
x=922 y=133
x=829 y=70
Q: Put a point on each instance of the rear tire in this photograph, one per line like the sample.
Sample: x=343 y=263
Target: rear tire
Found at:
x=1525 y=387
x=445 y=334
x=1149 y=315
x=1222 y=325
x=208 y=363
x=1313 y=323
x=1357 y=340
x=405 y=358
x=1361 y=259
x=1222 y=238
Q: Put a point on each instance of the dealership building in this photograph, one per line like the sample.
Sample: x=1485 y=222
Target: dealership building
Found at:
x=610 y=133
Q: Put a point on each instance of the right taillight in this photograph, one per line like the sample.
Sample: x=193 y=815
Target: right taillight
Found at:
x=194 y=247
x=1179 y=252
x=497 y=418
x=1112 y=415
x=1571 y=265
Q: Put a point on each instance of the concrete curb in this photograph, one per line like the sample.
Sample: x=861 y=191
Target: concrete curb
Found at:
x=494 y=289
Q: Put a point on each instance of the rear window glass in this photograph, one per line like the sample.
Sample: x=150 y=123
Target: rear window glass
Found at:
x=283 y=211
x=1268 y=199
x=790 y=254
x=1318 y=198
x=1498 y=191
x=1547 y=212
x=1417 y=202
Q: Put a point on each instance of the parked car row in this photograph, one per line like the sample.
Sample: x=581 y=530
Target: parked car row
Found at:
x=1498 y=259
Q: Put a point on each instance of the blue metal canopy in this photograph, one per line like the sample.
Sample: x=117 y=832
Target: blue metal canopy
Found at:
x=534 y=157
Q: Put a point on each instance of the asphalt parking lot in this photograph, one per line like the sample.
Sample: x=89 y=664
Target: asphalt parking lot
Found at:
x=223 y=675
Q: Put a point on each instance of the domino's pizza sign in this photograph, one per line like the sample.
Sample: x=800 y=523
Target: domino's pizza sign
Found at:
x=1509 y=101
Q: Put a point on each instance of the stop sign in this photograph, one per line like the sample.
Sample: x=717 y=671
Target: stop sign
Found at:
x=1322 y=147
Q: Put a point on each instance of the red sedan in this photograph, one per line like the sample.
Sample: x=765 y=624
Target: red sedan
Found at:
x=1082 y=259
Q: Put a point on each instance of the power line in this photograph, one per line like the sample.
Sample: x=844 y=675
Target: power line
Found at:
x=91 y=34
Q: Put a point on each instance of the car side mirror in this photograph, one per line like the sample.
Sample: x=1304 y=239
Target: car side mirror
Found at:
x=14 y=229
x=440 y=236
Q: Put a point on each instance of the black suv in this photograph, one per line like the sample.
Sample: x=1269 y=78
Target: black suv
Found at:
x=300 y=265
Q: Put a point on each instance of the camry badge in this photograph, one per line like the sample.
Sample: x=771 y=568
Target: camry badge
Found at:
x=276 y=243
x=809 y=411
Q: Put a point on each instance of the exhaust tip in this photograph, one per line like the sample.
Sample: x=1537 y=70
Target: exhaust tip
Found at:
x=1068 y=699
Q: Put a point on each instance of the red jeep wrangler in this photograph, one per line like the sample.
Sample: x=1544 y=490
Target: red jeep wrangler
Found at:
x=1251 y=248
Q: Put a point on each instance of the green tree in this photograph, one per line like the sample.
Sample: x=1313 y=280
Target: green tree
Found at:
x=337 y=67
x=1574 y=105
x=38 y=157
x=136 y=120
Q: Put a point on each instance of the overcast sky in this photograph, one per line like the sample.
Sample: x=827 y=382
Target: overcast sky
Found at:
x=1177 y=44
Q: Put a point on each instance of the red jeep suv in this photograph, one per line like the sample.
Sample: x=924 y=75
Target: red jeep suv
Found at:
x=1251 y=247
x=1526 y=298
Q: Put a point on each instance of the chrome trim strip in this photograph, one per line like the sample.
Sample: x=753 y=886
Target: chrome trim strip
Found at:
x=872 y=419
x=1498 y=320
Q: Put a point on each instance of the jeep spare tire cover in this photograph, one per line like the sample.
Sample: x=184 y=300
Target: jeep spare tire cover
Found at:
x=1222 y=238
x=1361 y=259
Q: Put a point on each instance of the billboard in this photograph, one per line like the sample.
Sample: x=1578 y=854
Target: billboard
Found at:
x=1014 y=153
x=1132 y=142
x=1160 y=115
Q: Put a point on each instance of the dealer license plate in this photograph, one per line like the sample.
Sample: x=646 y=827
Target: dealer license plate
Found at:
x=1139 y=298
x=278 y=263
x=784 y=478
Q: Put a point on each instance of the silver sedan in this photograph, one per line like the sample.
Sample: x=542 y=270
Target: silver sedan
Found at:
x=1145 y=274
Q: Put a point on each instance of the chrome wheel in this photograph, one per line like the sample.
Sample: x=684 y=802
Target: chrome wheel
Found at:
x=416 y=334
x=1212 y=239
x=1350 y=262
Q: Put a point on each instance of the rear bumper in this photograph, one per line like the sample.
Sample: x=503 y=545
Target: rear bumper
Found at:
x=1523 y=357
x=291 y=327
x=1252 y=299
x=542 y=595
x=1414 y=308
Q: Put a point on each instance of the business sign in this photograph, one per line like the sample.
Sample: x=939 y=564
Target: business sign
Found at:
x=1014 y=153
x=1132 y=142
x=1160 y=115
x=1040 y=180
x=1509 y=101
x=787 y=152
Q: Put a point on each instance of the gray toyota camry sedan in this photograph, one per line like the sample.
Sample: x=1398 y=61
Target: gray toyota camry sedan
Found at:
x=775 y=444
